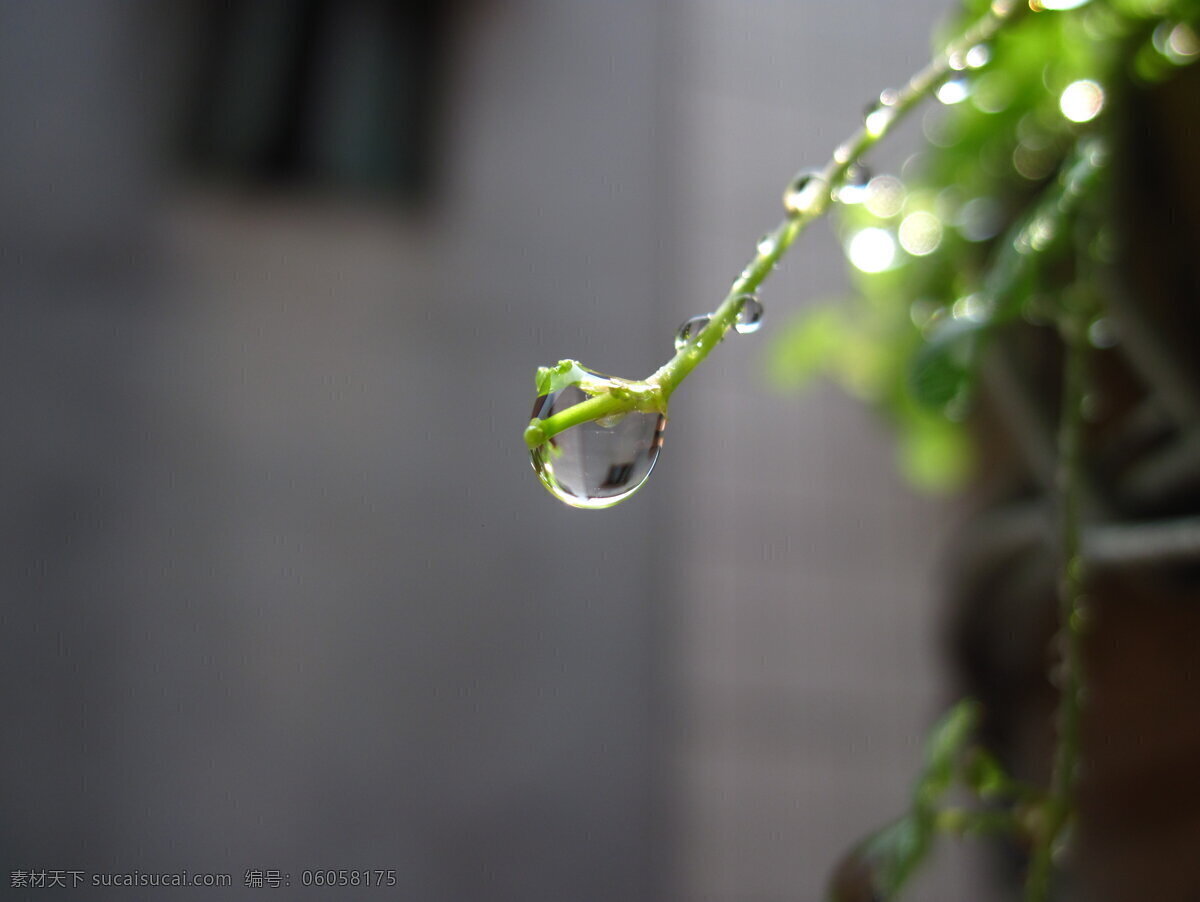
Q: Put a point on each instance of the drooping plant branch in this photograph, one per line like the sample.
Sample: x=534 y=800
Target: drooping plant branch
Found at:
x=808 y=197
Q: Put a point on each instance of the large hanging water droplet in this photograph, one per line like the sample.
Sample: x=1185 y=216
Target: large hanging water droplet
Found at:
x=688 y=331
x=749 y=317
x=601 y=462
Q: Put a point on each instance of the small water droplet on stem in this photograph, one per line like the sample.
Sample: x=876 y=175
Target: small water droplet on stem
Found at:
x=749 y=317
x=689 y=330
x=853 y=188
x=806 y=194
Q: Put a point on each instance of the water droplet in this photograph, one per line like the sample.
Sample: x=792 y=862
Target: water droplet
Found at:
x=954 y=91
x=877 y=118
x=750 y=313
x=688 y=331
x=766 y=244
x=807 y=193
x=853 y=188
x=978 y=56
x=598 y=463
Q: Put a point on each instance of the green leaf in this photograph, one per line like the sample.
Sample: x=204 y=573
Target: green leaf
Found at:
x=942 y=366
x=806 y=348
x=935 y=454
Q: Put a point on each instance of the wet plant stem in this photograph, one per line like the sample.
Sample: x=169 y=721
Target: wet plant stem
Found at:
x=1059 y=805
x=893 y=106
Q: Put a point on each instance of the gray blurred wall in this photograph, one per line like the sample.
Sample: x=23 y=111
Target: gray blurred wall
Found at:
x=281 y=591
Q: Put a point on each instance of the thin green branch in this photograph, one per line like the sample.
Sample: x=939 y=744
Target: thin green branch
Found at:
x=893 y=106
x=1059 y=806
x=880 y=865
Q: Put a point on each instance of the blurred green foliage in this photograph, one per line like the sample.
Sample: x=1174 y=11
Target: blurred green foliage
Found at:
x=994 y=221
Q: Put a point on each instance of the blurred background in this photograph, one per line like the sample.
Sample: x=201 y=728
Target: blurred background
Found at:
x=281 y=591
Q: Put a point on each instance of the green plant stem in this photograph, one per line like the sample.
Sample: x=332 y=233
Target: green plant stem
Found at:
x=963 y=822
x=920 y=85
x=900 y=101
x=1059 y=805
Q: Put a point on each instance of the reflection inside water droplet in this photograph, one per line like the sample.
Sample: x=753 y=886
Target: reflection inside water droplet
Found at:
x=598 y=463
x=750 y=313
